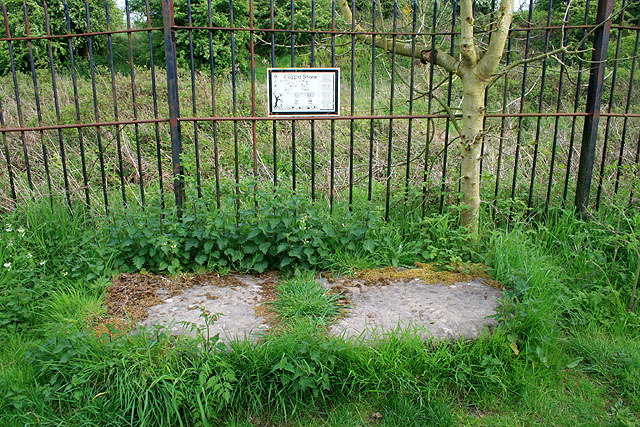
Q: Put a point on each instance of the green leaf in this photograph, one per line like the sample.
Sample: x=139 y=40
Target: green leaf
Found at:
x=191 y=243
x=201 y=258
x=285 y=261
x=253 y=234
x=264 y=247
x=368 y=245
x=250 y=248
x=138 y=261
x=261 y=266
x=575 y=363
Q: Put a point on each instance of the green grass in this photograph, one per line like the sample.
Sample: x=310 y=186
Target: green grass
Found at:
x=304 y=297
x=566 y=352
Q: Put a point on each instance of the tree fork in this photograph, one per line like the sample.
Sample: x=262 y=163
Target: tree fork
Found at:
x=475 y=74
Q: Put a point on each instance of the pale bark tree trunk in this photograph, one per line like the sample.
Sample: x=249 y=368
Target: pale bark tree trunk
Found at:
x=475 y=74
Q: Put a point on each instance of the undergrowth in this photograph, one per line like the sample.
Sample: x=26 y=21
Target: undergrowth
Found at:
x=566 y=351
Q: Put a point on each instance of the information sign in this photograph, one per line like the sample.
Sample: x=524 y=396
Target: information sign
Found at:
x=303 y=91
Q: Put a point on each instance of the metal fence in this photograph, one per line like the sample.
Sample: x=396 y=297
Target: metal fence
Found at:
x=172 y=98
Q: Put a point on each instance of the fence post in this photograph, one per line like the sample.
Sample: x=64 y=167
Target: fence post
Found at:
x=174 y=103
x=594 y=97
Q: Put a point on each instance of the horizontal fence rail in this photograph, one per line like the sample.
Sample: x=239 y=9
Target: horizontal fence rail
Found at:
x=104 y=104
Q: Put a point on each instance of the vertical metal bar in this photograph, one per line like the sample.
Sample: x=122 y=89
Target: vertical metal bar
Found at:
x=333 y=123
x=194 y=106
x=254 y=136
x=36 y=92
x=274 y=129
x=234 y=101
x=411 y=83
x=373 y=97
x=486 y=92
x=505 y=90
x=293 y=123
x=63 y=157
x=352 y=101
x=174 y=103
x=594 y=96
x=626 y=111
x=516 y=156
x=556 y=125
x=610 y=106
x=76 y=101
x=429 y=121
x=391 y=105
x=155 y=106
x=96 y=110
x=12 y=186
x=16 y=91
x=540 y=106
x=134 y=103
x=212 y=69
x=445 y=153
x=313 y=123
x=115 y=104
x=637 y=161
x=576 y=103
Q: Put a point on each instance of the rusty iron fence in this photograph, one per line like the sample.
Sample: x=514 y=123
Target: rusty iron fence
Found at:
x=170 y=96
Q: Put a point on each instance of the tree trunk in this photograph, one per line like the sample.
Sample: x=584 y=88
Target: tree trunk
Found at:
x=473 y=110
x=476 y=73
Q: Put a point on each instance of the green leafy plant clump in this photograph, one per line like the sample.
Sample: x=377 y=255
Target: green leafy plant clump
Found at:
x=282 y=231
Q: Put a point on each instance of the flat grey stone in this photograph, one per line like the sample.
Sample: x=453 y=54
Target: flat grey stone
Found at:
x=439 y=311
x=234 y=305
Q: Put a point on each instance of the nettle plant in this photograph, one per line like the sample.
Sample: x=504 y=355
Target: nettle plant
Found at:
x=280 y=232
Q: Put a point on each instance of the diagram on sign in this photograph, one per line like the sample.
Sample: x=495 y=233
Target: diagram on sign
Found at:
x=303 y=91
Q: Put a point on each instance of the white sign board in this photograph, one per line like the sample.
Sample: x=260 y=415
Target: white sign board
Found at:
x=303 y=91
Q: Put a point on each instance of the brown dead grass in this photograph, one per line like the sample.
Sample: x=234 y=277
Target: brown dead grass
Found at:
x=428 y=273
x=268 y=295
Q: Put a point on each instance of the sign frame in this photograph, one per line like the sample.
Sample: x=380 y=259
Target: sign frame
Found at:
x=308 y=112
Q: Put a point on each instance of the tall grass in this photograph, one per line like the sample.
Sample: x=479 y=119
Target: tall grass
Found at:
x=566 y=348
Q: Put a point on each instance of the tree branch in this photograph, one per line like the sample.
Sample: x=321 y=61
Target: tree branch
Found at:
x=452 y=116
x=516 y=64
x=439 y=57
x=489 y=62
x=467 y=43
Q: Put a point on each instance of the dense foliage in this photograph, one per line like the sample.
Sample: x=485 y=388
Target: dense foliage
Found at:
x=58 y=24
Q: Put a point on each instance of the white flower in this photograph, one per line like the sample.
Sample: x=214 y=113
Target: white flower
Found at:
x=43 y=262
x=7 y=265
x=9 y=244
x=21 y=230
x=174 y=246
x=65 y=273
x=8 y=229
x=29 y=256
